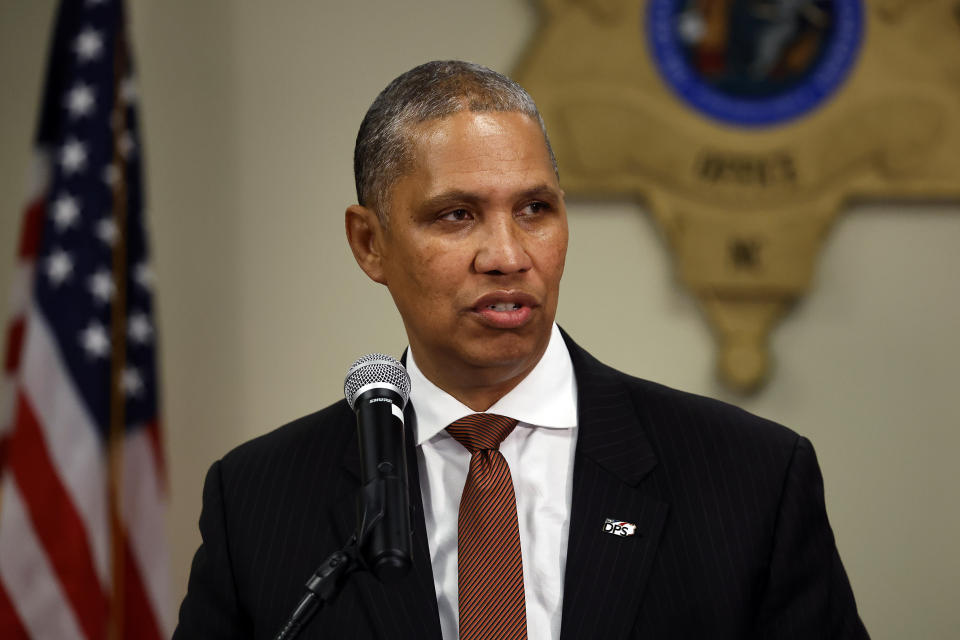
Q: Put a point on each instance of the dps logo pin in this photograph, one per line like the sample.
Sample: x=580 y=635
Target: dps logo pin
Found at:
x=619 y=528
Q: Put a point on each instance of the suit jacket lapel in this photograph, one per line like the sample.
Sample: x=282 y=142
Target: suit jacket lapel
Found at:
x=606 y=573
x=413 y=600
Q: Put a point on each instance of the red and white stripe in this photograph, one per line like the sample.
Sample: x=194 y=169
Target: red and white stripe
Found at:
x=20 y=290
x=147 y=561
x=33 y=596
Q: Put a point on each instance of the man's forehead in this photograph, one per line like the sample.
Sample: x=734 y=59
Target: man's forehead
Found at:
x=431 y=170
x=509 y=135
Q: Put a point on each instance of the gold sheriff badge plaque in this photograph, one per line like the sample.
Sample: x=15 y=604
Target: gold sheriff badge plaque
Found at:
x=746 y=125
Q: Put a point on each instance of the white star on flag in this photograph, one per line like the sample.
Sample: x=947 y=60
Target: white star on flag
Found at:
x=126 y=144
x=95 y=340
x=101 y=285
x=80 y=100
x=107 y=231
x=88 y=45
x=65 y=212
x=128 y=90
x=131 y=381
x=111 y=174
x=143 y=275
x=59 y=266
x=73 y=156
x=139 y=328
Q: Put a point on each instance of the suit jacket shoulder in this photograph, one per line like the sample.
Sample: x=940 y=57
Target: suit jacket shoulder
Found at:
x=663 y=405
x=320 y=436
x=730 y=536
x=267 y=523
x=274 y=508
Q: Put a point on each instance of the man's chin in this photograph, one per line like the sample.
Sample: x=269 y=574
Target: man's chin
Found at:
x=506 y=350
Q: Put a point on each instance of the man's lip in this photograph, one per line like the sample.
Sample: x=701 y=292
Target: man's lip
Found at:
x=505 y=297
x=519 y=312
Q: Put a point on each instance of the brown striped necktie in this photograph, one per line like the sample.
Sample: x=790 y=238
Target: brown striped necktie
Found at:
x=489 y=564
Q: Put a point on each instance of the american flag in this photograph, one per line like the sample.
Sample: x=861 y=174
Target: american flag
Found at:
x=82 y=491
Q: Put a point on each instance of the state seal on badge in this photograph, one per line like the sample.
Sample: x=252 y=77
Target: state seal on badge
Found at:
x=751 y=63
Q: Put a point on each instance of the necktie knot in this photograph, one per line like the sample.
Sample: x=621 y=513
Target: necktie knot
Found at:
x=480 y=431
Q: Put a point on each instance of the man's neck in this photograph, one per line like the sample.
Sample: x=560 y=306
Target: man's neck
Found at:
x=477 y=387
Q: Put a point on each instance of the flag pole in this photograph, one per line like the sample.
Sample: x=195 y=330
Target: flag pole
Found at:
x=118 y=327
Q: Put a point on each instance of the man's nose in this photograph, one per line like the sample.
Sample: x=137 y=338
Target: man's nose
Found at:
x=502 y=248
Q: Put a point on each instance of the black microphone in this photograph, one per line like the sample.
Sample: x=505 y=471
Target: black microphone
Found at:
x=377 y=387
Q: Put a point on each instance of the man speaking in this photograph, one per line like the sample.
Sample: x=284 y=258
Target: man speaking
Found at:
x=551 y=496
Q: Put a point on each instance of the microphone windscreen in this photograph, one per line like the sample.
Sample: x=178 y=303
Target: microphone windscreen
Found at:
x=376 y=370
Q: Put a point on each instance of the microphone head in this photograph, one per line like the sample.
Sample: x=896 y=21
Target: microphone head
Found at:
x=376 y=370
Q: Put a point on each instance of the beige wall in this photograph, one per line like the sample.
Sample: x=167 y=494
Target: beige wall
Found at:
x=250 y=113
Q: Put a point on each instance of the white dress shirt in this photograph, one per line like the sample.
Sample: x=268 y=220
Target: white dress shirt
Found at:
x=540 y=453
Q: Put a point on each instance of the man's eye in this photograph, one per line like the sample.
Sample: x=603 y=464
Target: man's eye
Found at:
x=534 y=208
x=456 y=215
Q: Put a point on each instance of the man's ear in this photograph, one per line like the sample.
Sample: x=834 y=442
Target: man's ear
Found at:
x=365 y=235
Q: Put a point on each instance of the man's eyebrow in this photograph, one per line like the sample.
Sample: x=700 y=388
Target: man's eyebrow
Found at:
x=543 y=191
x=451 y=197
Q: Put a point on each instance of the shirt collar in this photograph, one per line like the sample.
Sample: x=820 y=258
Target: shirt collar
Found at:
x=547 y=397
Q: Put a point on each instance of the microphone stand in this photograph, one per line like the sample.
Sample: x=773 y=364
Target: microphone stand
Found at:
x=323 y=586
x=326 y=582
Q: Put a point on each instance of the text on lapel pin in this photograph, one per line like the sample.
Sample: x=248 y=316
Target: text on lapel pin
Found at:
x=618 y=527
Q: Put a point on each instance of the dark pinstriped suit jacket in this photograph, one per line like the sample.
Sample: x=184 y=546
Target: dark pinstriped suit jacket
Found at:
x=732 y=538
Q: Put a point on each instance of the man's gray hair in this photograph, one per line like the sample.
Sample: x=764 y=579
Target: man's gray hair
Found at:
x=427 y=92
